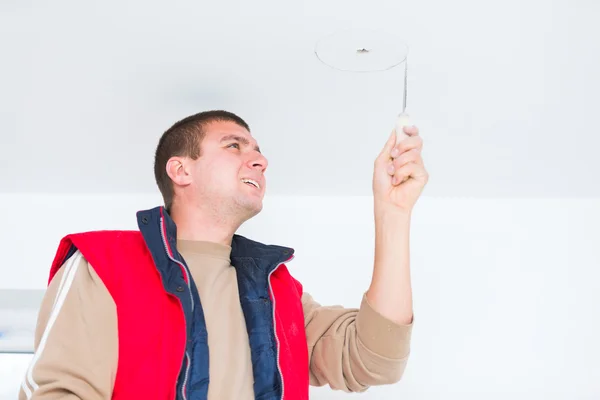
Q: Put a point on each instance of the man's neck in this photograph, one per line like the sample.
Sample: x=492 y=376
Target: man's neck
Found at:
x=193 y=224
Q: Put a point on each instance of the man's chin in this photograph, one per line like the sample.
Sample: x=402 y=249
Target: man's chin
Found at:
x=256 y=210
x=251 y=209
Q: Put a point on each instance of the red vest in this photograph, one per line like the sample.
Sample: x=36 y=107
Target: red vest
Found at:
x=152 y=333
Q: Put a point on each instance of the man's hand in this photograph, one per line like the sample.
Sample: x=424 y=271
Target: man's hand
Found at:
x=399 y=174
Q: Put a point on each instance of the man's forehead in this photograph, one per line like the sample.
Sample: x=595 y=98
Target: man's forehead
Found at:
x=219 y=129
x=222 y=131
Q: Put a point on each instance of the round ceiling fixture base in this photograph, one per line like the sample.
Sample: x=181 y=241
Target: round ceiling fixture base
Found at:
x=361 y=50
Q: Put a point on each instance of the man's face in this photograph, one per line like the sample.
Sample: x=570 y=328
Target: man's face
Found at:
x=229 y=174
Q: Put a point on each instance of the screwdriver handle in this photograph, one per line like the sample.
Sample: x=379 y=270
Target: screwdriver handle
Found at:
x=402 y=120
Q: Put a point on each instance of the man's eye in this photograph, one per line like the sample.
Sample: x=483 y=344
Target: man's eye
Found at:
x=236 y=145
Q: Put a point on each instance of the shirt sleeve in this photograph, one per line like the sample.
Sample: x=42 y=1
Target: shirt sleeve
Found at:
x=352 y=349
x=76 y=338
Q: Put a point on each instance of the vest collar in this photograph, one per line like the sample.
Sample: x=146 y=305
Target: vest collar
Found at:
x=152 y=221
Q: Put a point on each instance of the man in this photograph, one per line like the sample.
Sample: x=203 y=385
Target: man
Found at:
x=185 y=308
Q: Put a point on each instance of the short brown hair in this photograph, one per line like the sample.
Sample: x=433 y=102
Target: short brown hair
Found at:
x=183 y=139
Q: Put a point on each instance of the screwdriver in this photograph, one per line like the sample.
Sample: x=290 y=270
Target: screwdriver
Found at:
x=403 y=118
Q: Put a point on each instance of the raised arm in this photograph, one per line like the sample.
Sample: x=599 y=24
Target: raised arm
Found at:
x=398 y=180
x=352 y=349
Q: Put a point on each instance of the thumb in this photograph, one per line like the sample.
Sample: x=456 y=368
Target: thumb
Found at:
x=385 y=154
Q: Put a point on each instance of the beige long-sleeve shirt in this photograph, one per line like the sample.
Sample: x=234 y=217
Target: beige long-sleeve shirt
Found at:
x=76 y=341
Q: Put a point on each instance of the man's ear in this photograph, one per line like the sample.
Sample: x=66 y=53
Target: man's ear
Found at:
x=178 y=171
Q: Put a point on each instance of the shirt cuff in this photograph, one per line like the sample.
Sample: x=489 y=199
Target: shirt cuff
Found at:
x=381 y=335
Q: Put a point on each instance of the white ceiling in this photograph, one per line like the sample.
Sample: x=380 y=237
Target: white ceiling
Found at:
x=504 y=92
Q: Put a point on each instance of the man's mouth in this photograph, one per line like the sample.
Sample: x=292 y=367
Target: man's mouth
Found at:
x=251 y=182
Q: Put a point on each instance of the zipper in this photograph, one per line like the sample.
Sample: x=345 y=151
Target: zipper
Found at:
x=275 y=325
x=187 y=370
x=185 y=271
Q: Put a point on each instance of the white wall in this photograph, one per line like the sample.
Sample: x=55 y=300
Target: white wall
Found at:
x=504 y=289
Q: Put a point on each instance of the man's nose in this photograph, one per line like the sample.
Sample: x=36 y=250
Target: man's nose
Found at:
x=259 y=162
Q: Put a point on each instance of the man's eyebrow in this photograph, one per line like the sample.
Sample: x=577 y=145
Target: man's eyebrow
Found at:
x=240 y=139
